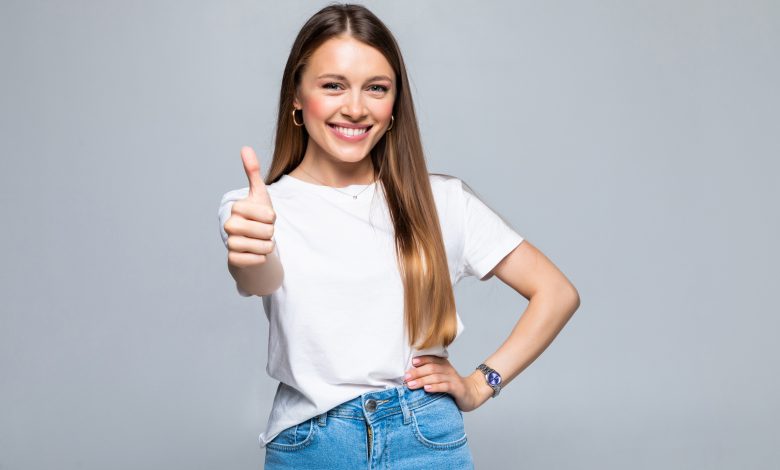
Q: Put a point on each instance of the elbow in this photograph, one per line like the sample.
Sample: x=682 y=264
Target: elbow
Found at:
x=562 y=297
x=567 y=297
x=573 y=298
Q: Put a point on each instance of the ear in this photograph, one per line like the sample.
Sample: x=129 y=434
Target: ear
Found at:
x=296 y=101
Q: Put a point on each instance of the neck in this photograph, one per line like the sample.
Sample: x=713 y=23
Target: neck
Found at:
x=337 y=173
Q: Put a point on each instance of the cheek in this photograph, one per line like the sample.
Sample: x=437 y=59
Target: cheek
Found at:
x=318 y=108
x=383 y=110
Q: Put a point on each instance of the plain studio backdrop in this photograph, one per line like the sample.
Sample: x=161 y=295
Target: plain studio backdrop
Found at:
x=634 y=142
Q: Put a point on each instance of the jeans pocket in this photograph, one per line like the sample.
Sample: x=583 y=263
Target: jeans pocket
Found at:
x=295 y=437
x=439 y=423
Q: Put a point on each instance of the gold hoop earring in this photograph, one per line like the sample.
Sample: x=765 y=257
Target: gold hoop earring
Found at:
x=392 y=121
x=294 y=121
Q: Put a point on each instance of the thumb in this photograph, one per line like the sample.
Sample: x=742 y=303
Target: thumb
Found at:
x=257 y=188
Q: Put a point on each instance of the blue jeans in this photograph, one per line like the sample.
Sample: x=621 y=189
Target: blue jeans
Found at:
x=396 y=428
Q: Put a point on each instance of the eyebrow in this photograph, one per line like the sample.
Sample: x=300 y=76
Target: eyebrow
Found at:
x=342 y=77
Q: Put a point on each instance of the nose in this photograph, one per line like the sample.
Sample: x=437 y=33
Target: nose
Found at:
x=353 y=106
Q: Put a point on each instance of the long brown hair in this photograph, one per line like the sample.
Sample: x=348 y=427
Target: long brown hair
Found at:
x=399 y=161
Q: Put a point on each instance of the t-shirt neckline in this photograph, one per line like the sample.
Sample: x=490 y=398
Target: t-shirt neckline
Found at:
x=353 y=189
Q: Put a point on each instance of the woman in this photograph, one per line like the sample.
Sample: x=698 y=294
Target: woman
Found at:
x=354 y=248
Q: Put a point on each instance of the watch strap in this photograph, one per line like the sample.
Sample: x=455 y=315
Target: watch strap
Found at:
x=492 y=377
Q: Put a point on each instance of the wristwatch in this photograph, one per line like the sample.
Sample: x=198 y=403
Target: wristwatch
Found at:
x=492 y=378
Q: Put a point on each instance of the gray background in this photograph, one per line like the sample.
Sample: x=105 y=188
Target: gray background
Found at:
x=635 y=143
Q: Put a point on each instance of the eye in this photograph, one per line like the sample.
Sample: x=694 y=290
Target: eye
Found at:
x=331 y=86
x=381 y=88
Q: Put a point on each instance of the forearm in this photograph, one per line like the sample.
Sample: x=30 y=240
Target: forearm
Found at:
x=545 y=316
x=261 y=279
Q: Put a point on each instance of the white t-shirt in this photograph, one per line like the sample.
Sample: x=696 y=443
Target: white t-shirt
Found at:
x=336 y=324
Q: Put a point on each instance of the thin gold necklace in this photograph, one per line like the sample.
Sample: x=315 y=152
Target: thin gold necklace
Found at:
x=354 y=196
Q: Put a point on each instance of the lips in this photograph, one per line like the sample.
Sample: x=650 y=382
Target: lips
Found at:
x=346 y=128
x=350 y=132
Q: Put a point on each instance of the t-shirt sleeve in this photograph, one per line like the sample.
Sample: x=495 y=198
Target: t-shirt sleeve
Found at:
x=225 y=207
x=488 y=238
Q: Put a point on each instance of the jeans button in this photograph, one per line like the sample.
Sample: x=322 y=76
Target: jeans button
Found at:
x=371 y=405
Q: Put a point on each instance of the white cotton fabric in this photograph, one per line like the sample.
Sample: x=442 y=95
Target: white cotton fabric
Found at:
x=336 y=326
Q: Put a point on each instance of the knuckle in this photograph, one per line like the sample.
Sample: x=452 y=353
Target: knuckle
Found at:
x=235 y=259
x=265 y=247
x=234 y=223
x=228 y=225
x=234 y=244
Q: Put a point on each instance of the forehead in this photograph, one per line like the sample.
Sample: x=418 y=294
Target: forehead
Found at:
x=345 y=55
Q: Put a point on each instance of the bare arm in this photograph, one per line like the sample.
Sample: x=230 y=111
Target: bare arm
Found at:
x=552 y=302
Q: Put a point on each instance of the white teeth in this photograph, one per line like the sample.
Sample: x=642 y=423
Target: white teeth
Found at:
x=349 y=131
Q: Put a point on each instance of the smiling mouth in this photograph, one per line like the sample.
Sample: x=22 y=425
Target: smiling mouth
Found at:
x=348 y=131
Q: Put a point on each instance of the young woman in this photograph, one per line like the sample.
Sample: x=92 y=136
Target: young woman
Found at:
x=354 y=248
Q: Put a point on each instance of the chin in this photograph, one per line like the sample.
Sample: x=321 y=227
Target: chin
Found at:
x=350 y=157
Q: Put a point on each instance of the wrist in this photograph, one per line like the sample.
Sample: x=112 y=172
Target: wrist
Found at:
x=482 y=389
x=492 y=378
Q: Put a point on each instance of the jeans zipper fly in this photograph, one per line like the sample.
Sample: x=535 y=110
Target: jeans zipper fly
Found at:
x=370 y=440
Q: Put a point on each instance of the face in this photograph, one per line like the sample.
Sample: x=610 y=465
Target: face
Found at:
x=347 y=92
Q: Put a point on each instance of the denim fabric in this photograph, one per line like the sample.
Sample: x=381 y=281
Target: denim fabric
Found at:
x=395 y=428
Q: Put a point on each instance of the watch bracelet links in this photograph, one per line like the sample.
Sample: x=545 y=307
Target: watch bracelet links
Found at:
x=488 y=370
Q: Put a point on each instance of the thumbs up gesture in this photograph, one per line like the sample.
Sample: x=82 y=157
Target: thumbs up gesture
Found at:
x=251 y=222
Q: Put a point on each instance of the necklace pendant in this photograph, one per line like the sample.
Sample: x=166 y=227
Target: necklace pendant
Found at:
x=354 y=197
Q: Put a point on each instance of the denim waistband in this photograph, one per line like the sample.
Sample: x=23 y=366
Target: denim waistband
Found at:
x=379 y=404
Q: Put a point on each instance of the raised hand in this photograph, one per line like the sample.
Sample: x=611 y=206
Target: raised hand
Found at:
x=251 y=222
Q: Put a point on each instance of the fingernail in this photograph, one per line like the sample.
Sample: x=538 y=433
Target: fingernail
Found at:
x=416 y=360
x=412 y=383
x=407 y=376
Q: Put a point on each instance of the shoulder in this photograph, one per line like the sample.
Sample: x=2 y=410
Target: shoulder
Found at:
x=440 y=178
x=444 y=183
x=450 y=188
x=448 y=195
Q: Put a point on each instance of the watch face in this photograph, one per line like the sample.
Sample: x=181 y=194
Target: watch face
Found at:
x=493 y=378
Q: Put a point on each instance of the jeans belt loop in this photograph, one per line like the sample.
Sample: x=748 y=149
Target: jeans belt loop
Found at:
x=404 y=406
